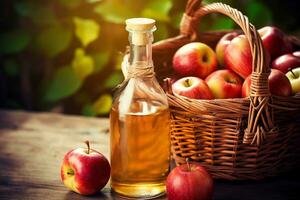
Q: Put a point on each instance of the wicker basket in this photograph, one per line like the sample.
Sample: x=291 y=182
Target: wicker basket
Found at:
x=241 y=138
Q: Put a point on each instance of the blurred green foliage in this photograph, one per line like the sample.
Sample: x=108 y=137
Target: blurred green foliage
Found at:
x=66 y=54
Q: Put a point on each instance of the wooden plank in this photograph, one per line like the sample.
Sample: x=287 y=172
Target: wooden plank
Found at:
x=51 y=121
x=32 y=147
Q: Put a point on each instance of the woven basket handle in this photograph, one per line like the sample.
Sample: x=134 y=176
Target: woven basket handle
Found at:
x=260 y=120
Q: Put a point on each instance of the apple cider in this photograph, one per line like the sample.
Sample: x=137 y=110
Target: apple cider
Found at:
x=140 y=160
x=139 y=122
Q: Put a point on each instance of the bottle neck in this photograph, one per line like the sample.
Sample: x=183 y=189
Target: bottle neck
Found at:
x=140 y=49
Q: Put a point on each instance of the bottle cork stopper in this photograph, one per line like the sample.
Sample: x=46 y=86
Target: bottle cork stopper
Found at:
x=140 y=24
x=139 y=27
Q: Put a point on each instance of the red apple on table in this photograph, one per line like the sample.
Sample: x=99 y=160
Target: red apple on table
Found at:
x=194 y=59
x=224 y=84
x=222 y=45
x=294 y=77
x=85 y=170
x=189 y=182
x=286 y=62
x=274 y=41
x=279 y=84
x=192 y=87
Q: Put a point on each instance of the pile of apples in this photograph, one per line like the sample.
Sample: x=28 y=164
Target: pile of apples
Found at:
x=202 y=73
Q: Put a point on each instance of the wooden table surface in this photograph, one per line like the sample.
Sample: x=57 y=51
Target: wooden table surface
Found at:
x=32 y=146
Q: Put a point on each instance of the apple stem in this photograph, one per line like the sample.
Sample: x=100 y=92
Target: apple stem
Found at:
x=291 y=70
x=88 y=145
x=187 y=82
x=188 y=163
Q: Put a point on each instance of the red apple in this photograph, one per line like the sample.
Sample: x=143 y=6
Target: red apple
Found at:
x=296 y=53
x=192 y=87
x=294 y=77
x=194 y=59
x=246 y=87
x=222 y=45
x=189 y=182
x=274 y=41
x=286 y=62
x=237 y=56
x=224 y=84
x=279 y=84
x=85 y=170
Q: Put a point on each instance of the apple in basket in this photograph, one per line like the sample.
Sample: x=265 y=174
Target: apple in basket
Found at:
x=194 y=59
x=274 y=41
x=238 y=57
x=294 y=77
x=189 y=182
x=224 y=83
x=297 y=53
x=85 y=171
x=192 y=87
x=279 y=84
x=287 y=61
x=222 y=45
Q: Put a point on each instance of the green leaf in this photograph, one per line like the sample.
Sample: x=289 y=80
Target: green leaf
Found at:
x=11 y=68
x=93 y=1
x=222 y=23
x=101 y=59
x=161 y=33
x=14 y=41
x=89 y=110
x=82 y=64
x=43 y=15
x=38 y=13
x=113 y=80
x=70 y=3
x=64 y=83
x=23 y=8
x=118 y=59
x=258 y=13
x=53 y=40
x=87 y=30
x=103 y=104
x=158 y=9
x=176 y=19
x=114 y=12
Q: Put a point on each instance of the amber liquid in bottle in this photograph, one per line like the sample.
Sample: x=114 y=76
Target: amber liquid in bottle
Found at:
x=139 y=127
x=140 y=159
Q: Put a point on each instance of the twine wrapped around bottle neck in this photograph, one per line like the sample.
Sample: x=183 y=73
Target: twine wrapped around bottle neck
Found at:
x=140 y=71
x=133 y=71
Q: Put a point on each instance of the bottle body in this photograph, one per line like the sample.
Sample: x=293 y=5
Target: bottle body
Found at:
x=140 y=146
x=139 y=123
x=140 y=153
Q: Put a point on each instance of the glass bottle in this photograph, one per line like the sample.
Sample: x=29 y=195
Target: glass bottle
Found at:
x=139 y=122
